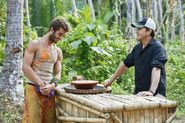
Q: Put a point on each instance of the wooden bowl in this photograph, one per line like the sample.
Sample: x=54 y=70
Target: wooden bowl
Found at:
x=84 y=84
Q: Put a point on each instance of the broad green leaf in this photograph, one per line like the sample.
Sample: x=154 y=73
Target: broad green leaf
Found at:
x=75 y=44
x=91 y=27
x=100 y=50
x=108 y=16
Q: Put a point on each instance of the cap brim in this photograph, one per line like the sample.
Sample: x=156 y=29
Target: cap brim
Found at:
x=137 y=25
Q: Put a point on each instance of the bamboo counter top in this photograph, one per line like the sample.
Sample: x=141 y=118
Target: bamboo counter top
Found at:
x=106 y=103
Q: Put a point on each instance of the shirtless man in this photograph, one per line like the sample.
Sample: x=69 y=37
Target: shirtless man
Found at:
x=42 y=68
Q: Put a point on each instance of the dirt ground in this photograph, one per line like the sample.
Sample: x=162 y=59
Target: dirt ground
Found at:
x=179 y=120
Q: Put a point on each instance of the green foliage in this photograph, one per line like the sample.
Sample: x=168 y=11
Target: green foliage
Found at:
x=2 y=29
x=2 y=20
x=41 y=15
x=9 y=113
x=63 y=6
x=28 y=34
x=176 y=74
x=89 y=49
x=2 y=47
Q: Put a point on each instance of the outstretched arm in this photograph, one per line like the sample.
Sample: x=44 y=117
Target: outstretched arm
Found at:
x=120 y=70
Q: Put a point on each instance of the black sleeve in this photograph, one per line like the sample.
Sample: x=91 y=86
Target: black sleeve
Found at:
x=129 y=61
x=159 y=57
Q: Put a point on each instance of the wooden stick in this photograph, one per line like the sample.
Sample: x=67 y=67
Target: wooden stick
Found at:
x=171 y=118
x=80 y=119
x=60 y=110
x=57 y=113
x=116 y=118
x=63 y=113
x=104 y=115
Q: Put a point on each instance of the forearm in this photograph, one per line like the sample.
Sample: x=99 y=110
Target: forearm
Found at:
x=58 y=75
x=120 y=70
x=31 y=75
x=155 y=79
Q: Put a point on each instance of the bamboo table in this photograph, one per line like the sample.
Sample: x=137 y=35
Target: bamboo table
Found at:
x=110 y=108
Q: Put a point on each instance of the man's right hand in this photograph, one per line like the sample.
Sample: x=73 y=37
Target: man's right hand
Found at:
x=46 y=90
x=107 y=83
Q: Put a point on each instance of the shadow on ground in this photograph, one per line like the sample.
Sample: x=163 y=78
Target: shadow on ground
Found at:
x=179 y=120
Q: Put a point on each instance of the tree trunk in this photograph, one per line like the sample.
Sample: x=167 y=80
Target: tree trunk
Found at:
x=11 y=80
x=53 y=9
x=155 y=12
x=165 y=21
x=129 y=30
x=133 y=17
x=181 y=21
x=148 y=8
x=133 y=11
x=27 y=13
x=160 y=21
x=160 y=12
x=116 y=16
x=92 y=9
x=99 y=6
x=139 y=13
x=120 y=17
x=173 y=19
x=130 y=19
x=74 y=8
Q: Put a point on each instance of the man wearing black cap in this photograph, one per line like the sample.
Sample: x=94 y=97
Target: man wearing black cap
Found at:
x=149 y=58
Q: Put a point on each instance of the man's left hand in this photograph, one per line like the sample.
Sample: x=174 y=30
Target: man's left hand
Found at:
x=145 y=93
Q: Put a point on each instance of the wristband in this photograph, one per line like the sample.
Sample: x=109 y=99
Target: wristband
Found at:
x=55 y=81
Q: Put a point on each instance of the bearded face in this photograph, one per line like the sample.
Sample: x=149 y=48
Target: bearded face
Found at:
x=53 y=38
x=57 y=35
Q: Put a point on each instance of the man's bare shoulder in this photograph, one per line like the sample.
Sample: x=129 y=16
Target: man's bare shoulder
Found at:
x=33 y=45
x=59 y=52
x=58 y=49
x=33 y=42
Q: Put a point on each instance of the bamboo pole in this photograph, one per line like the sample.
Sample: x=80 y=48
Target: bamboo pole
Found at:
x=170 y=118
x=61 y=111
x=116 y=118
x=57 y=113
x=81 y=100
x=104 y=115
x=80 y=119
x=162 y=102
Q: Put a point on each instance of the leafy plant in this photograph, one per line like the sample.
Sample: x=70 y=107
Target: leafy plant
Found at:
x=176 y=74
x=89 y=48
x=2 y=29
x=9 y=113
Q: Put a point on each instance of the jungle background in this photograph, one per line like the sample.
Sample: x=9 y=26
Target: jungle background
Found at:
x=100 y=37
